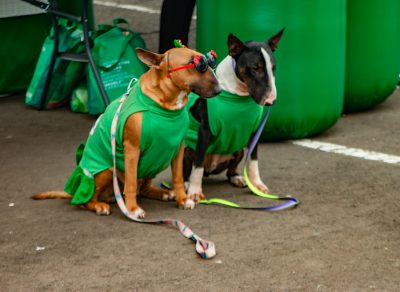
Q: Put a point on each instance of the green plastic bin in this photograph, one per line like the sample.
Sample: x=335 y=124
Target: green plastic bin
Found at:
x=310 y=56
x=22 y=38
x=372 y=53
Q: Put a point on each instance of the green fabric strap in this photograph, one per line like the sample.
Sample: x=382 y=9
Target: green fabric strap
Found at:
x=117 y=21
x=256 y=191
x=227 y=203
x=219 y=201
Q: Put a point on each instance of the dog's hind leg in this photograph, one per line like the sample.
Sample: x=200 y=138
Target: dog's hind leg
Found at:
x=150 y=191
x=107 y=195
x=102 y=181
x=233 y=176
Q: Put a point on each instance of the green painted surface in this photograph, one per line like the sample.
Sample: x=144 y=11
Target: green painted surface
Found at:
x=310 y=56
x=21 y=41
x=372 y=53
x=22 y=38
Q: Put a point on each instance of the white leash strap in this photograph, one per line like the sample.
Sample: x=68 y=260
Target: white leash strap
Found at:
x=206 y=249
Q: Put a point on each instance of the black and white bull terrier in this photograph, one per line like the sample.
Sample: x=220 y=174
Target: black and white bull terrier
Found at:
x=247 y=78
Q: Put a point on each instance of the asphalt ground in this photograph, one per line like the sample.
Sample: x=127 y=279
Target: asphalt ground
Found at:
x=343 y=237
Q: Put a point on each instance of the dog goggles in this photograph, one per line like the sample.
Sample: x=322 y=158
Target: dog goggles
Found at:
x=200 y=62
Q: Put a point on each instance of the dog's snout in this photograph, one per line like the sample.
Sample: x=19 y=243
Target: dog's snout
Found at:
x=207 y=87
x=270 y=98
x=214 y=92
x=217 y=89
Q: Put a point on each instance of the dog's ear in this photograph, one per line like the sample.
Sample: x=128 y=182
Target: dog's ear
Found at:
x=273 y=41
x=235 y=46
x=149 y=58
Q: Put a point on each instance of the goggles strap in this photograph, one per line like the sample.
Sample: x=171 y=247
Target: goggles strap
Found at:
x=196 y=61
x=180 y=68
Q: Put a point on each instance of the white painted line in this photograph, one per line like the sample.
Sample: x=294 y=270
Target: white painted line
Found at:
x=127 y=6
x=138 y=8
x=354 y=152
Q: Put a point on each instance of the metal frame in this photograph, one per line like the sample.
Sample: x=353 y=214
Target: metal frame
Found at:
x=51 y=8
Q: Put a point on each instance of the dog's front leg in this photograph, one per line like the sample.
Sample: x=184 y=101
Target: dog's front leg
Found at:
x=132 y=132
x=177 y=175
x=254 y=173
x=195 y=190
x=199 y=110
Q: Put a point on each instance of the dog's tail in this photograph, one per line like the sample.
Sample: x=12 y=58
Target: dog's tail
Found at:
x=52 y=195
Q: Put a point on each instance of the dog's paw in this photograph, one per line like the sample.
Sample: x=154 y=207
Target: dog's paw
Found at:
x=194 y=191
x=187 y=204
x=238 y=181
x=196 y=197
x=195 y=194
x=262 y=187
x=170 y=196
x=102 y=209
x=139 y=213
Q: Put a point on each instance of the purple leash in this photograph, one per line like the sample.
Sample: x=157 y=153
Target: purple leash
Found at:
x=289 y=201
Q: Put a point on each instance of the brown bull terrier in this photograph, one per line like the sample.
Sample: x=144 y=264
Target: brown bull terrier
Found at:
x=149 y=136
